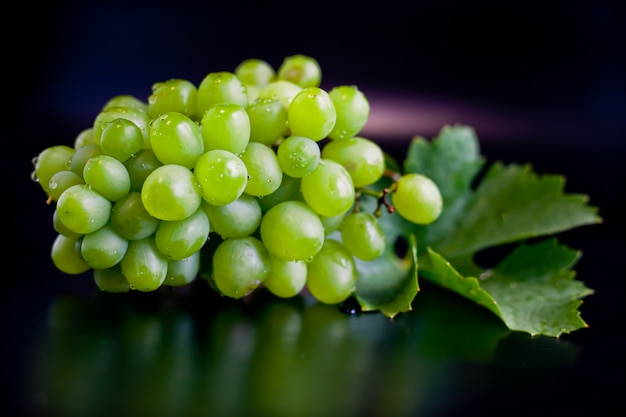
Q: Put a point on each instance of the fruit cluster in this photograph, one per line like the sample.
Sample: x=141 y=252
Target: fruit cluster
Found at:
x=253 y=178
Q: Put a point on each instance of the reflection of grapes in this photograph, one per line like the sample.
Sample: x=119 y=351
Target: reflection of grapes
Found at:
x=251 y=179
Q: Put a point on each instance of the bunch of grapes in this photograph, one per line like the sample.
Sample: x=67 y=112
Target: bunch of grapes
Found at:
x=251 y=178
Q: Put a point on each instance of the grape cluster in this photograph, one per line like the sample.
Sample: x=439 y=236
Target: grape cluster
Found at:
x=252 y=177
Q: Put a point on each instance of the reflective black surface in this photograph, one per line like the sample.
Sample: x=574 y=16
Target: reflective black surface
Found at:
x=550 y=92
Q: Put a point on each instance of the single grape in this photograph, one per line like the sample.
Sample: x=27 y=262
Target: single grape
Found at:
x=82 y=155
x=176 y=139
x=311 y=114
x=223 y=176
x=173 y=95
x=238 y=218
x=331 y=275
x=291 y=230
x=65 y=254
x=353 y=110
x=139 y=166
x=363 y=158
x=144 y=266
x=171 y=192
x=268 y=120
x=61 y=181
x=111 y=279
x=333 y=223
x=300 y=69
x=255 y=72
x=108 y=176
x=226 y=126
x=281 y=90
x=298 y=156
x=82 y=209
x=264 y=172
x=220 y=87
x=136 y=115
x=417 y=198
x=286 y=278
x=126 y=101
x=181 y=238
x=50 y=161
x=182 y=271
x=289 y=189
x=362 y=235
x=328 y=189
x=240 y=265
x=121 y=139
x=131 y=219
x=84 y=137
x=103 y=248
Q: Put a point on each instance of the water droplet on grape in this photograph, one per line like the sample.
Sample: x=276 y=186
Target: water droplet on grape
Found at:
x=53 y=185
x=33 y=176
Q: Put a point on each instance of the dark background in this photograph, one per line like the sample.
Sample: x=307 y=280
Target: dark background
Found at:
x=542 y=82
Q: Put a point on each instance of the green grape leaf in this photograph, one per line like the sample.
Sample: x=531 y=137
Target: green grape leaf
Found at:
x=533 y=288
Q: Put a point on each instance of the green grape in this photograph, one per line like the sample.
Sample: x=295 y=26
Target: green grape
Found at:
x=84 y=137
x=131 y=219
x=82 y=209
x=82 y=155
x=328 y=189
x=174 y=95
x=111 y=279
x=108 y=176
x=264 y=172
x=221 y=87
x=298 y=156
x=353 y=110
x=121 y=139
x=238 y=218
x=268 y=120
x=240 y=265
x=226 y=126
x=144 y=266
x=139 y=166
x=50 y=161
x=291 y=230
x=255 y=72
x=363 y=158
x=138 y=116
x=332 y=273
x=311 y=114
x=300 y=69
x=182 y=271
x=333 y=223
x=62 y=229
x=103 y=248
x=61 y=181
x=362 y=235
x=171 y=192
x=222 y=175
x=181 y=238
x=289 y=189
x=281 y=90
x=176 y=139
x=66 y=256
x=286 y=278
x=126 y=101
x=417 y=198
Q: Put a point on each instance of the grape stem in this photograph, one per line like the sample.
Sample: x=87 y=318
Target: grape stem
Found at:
x=381 y=197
